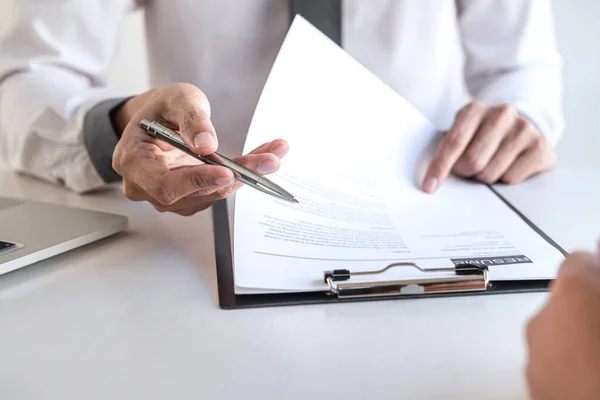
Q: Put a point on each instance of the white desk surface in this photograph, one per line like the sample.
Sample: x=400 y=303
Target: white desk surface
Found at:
x=136 y=317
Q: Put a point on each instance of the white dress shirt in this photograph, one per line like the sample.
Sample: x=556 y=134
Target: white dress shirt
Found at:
x=438 y=54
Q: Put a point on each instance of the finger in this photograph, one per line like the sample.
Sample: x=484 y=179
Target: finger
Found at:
x=188 y=212
x=168 y=155
x=188 y=109
x=133 y=192
x=495 y=126
x=195 y=203
x=168 y=186
x=453 y=144
x=574 y=262
x=536 y=159
x=199 y=180
x=263 y=164
x=278 y=147
x=512 y=146
x=187 y=206
x=177 y=158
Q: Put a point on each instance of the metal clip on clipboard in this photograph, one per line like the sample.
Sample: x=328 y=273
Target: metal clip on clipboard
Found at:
x=467 y=278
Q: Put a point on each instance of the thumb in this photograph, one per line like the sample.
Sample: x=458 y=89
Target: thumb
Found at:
x=188 y=108
x=197 y=131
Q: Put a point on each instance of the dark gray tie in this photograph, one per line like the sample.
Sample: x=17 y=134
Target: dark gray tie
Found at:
x=326 y=15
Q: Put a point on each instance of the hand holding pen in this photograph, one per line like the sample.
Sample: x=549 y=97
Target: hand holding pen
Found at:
x=168 y=178
x=240 y=172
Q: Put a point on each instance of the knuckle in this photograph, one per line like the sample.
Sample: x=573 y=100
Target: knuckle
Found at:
x=505 y=109
x=455 y=141
x=180 y=95
x=116 y=166
x=503 y=113
x=539 y=143
x=198 y=181
x=522 y=132
x=187 y=212
x=164 y=103
x=116 y=158
x=512 y=145
x=188 y=92
x=463 y=111
x=163 y=195
x=219 y=195
x=476 y=105
x=119 y=159
x=151 y=93
x=523 y=127
x=160 y=208
x=510 y=179
x=475 y=108
x=128 y=190
x=222 y=194
x=266 y=158
x=474 y=161
x=193 y=115
x=487 y=177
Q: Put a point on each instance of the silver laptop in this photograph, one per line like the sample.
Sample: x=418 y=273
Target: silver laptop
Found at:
x=33 y=231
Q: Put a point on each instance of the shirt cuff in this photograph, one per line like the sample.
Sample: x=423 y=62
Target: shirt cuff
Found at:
x=100 y=137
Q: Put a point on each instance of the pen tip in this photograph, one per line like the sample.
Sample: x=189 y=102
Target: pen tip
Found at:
x=294 y=200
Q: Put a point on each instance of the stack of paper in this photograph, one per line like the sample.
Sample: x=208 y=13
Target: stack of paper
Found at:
x=358 y=151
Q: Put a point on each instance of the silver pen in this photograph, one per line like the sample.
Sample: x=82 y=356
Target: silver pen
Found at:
x=240 y=172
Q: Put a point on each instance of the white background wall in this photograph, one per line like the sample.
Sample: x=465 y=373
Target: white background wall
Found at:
x=577 y=33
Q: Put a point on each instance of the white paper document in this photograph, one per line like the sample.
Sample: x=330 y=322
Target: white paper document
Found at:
x=358 y=152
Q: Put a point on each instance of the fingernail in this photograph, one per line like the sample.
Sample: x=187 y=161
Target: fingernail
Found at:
x=204 y=139
x=266 y=167
x=225 y=181
x=430 y=184
x=280 y=151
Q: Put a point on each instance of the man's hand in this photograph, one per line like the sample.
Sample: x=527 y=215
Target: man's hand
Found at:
x=166 y=177
x=564 y=338
x=490 y=144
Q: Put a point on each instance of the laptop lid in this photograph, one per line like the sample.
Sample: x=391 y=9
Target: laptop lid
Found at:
x=32 y=231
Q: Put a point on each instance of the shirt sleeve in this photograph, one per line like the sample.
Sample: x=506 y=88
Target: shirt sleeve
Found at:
x=511 y=57
x=53 y=67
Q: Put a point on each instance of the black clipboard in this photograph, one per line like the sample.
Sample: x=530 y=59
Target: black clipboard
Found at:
x=477 y=277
